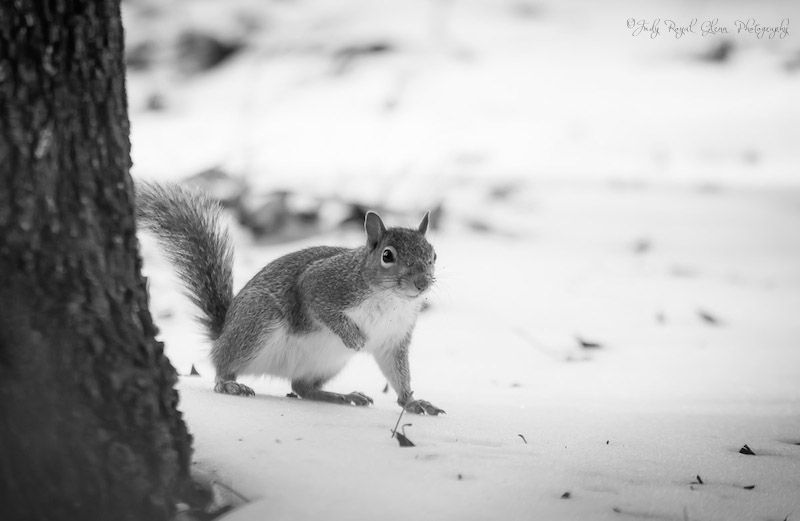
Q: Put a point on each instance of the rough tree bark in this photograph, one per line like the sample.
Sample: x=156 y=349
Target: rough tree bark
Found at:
x=89 y=427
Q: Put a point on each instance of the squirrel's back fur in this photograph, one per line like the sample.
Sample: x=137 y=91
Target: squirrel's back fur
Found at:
x=189 y=229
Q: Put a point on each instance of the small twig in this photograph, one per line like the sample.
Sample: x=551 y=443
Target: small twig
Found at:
x=394 y=431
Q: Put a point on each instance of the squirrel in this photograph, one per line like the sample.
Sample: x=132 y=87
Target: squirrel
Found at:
x=305 y=314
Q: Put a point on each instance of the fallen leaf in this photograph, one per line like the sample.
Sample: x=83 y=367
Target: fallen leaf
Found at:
x=749 y=487
x=708 y=317
x=403 y=441
x=746 y=451
x=587 y=344
x=566 y=495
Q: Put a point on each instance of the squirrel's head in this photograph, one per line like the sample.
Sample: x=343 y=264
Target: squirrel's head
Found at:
x=399 y=259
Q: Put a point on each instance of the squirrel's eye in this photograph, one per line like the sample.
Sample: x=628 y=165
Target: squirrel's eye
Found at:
x=388 y=256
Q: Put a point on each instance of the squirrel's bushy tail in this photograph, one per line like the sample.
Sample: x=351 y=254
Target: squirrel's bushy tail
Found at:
x=189 y=229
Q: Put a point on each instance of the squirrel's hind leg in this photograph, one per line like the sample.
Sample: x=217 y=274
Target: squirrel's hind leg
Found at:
x=227 y=384
x=311 y=390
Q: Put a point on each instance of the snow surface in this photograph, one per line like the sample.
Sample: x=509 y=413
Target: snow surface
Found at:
x=626 y=426
x=595 y=186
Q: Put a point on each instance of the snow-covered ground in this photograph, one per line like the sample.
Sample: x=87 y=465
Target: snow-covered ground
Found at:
x=595 y=186
x=626 y=426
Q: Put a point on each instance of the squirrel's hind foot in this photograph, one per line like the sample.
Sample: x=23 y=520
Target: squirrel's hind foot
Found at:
x=357 y=398
x=423 y=407
x=311 y=391
x=231 y=387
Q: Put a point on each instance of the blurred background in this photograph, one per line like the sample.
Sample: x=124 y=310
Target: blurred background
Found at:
x=596 y=188
x=398 y=104
x=285 y=91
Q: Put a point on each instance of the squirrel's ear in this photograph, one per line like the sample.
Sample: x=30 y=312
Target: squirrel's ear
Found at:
x=423 y=225
x=374 y=227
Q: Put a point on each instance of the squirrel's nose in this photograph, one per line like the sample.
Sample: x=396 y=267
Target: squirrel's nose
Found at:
x=421 y=282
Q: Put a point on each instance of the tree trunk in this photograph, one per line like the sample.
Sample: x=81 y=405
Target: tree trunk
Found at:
x=89 y=427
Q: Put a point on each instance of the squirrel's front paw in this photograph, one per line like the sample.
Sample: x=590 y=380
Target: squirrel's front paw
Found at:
x=423 y=407
x=356 y=398
x=231 y=387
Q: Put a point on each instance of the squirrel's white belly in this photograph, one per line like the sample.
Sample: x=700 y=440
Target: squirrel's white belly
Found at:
x=384 y=319
x=308 y=356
